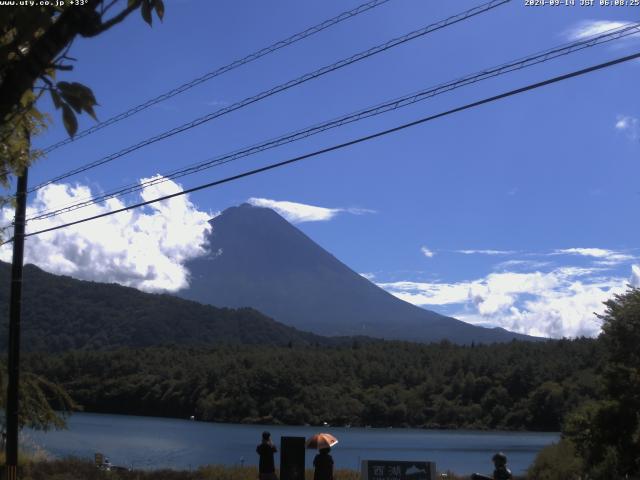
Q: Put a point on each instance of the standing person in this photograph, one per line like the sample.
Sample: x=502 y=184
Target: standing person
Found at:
x=266 y=467
x=323 y=464
x=501 y=471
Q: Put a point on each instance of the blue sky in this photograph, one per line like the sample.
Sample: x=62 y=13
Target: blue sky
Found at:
x=521 y=213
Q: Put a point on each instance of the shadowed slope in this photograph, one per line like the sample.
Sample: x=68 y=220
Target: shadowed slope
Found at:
x=258 y=259
x=61 y=313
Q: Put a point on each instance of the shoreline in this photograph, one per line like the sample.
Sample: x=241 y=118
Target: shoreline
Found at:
x=433 y=428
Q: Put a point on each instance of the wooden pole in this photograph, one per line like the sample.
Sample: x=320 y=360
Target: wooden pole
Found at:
x=14 y=328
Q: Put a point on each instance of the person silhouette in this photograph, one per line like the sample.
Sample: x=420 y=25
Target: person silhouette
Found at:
x=266 y=449
x=323 y=465
x=500 y=472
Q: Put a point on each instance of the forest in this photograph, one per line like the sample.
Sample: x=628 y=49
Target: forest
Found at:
x=61 y=313
x=513 y=386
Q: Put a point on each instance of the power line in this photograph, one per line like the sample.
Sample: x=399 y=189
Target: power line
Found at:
x=382 y=133
x=219 y=71
x=282 y=87
x=521 y=63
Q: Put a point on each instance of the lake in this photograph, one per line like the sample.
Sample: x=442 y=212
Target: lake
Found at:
x=149 y=442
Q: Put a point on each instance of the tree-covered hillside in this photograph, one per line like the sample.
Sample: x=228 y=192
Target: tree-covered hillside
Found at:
x=518 y=385
x=61 y=313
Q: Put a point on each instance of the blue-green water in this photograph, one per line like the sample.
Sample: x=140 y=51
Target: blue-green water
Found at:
x=149 y=442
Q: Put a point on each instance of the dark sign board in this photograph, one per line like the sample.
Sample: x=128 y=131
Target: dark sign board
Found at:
x=397 y=470
x=292 y=451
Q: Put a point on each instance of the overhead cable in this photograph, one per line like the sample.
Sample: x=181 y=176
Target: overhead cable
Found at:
x=406 y=100
x=356 y=141
x=219 y=71
x=472 y=12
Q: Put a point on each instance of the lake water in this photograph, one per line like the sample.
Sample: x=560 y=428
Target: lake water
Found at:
x=149 y=442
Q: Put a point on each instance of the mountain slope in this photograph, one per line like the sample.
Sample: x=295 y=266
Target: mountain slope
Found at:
x=61 y=313
x=258 y=259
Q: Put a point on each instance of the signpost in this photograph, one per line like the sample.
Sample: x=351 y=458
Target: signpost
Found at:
x=398 y=470
x=292 y=450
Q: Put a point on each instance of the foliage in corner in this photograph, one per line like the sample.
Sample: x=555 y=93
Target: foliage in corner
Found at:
x=34 y=46
x=606 y=432
x=557 y=461
x=43 y=404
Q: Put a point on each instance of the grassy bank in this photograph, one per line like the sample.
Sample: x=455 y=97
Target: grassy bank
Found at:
x=80 y=469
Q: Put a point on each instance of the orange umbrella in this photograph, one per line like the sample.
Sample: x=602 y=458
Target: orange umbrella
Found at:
x=322 y=440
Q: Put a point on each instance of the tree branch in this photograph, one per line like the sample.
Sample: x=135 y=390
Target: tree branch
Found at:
x=104 y=26
x=106 y=8
x=21 y=75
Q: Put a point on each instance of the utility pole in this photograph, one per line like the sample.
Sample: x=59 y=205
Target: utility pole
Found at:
x=14 y=327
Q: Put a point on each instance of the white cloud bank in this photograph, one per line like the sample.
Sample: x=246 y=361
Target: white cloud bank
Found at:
x=142 y=248
x=603 y=255
x=559 y=303
x=635 y=275
x=300 y=212
x=589 y=28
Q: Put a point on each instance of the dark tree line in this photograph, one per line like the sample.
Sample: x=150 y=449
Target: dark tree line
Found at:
x=518 y=385
x=61 y=313
x=601 y=437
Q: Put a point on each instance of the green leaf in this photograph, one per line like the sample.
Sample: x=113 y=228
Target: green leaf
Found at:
x=159 y=5
x=84 y=92
x=27 y=98
x=73 y=101
x=69 y=119
x=77 y=90
x=57 y=101
x=37 y=114
x=131 y=3
x=91 y=112
x=78 y=96
x=145 y=10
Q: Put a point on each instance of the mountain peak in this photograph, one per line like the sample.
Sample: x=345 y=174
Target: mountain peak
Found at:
x=244 y=205
x=247 y=210
x=260 y=260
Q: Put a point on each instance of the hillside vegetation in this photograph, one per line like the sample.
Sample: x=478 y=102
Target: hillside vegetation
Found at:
x=518 y=385
x=61 y=313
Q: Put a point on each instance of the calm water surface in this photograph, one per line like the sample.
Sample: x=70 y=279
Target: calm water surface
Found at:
x=149 y=442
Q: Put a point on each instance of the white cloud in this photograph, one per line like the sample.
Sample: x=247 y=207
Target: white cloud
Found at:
x=423 y=293
x=368 y=276
x=358 y=211
x=426 y=252
x=145 y=249
x=300 y=212
x=604 y=256
x=485 y=252
x=635 y=275
x=589 y=28
x=515 y=263
x=629 y=125
x=559 y=303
